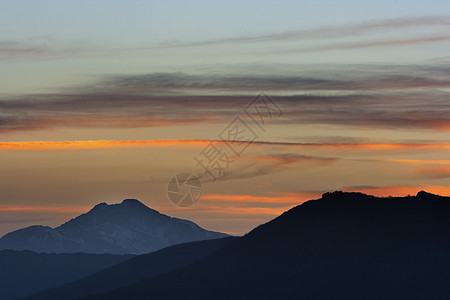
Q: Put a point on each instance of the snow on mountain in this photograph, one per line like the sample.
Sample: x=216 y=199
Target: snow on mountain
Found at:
x=126 y=228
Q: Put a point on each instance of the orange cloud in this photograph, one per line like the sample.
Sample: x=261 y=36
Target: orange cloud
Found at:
x=221 y=211
x=249 y=206
x=49 y=209
x=95 y=144
x=419 y=161
x=253 y=199
x=98 y=144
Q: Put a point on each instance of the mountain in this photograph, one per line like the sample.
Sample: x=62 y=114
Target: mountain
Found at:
x=141 y=267
x=23 y=273
x=126 y=228
x=341 y=246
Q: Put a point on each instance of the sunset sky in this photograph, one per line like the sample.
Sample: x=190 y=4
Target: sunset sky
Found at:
x=106 y=100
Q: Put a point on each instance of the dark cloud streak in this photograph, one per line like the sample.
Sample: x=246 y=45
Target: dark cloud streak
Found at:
x=375 y=43
x=49 y=48
x=336 y=31
x=270 y=164
x=384 y=97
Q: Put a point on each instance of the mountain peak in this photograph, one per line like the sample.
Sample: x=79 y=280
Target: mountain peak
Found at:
x=121 y=228
x=339 y=195
x=425 y=195
x=125 y=203
x=132 y=202
x=100 y=205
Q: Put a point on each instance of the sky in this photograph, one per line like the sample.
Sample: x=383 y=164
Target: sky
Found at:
x=106 y=100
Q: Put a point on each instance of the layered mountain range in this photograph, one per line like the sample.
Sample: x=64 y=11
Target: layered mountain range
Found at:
x=341 y=246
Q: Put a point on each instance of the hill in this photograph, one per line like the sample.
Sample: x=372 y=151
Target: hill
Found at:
x=341 y=246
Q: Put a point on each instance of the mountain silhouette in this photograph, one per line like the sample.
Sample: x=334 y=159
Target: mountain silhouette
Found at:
x=23 y=273
x=341 y=246
x=126 y=228
x=134 y=270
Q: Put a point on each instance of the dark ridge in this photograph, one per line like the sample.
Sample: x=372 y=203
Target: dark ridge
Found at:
x=100 y=205
x=134 y=270
x=341 y=246
x=23 y=273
